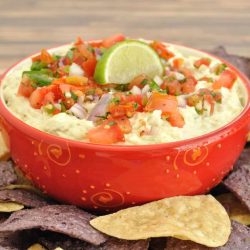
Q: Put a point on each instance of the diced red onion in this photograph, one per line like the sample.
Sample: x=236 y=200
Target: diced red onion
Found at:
x=80 y=99
x=158 y=80
x=145 y=89
x=100 y=108
x=75 y=70
x=60 y=63
x=179 y=76
x=78 y=111
x=135 y=90
x=182 y=102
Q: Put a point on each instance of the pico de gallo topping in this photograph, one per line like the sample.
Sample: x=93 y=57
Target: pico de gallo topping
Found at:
x=57 y=84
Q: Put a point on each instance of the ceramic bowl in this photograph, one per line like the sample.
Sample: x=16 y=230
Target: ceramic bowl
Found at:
x=110 y=177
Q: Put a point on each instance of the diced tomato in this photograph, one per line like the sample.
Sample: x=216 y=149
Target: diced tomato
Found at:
x=139 y=81
x=176 y=119
x=177 y=63
x=79 y=41
x=203 y=61
x=162 y=51
x=89 y=66
x=96 y=44
x=124 y=124
x=186 y=72
x=25 y=87
x=173 y=87
x=66 y=61
x=44 y=95
x=226 y=79
x=112 y=40
x=46 y=57
x=189 y=85
x=107 y=133
x=121 y=110
x=83 y=50
x=168 y=104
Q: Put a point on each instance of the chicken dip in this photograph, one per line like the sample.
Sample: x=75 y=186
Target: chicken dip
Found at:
x=123 y=91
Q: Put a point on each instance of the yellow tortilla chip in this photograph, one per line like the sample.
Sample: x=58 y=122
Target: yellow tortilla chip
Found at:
x=25 y=187
x=4 y=151
x=7 y=207
x=36 y=247
x=201 y=219
x=236 y=210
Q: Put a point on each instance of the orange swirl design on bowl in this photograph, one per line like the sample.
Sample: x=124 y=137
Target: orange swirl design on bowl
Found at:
x=55 y=153
x=195 y=156
x=108 y=198
x=191 y=157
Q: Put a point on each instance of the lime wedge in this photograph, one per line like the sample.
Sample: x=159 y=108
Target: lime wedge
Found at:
x=124 y=61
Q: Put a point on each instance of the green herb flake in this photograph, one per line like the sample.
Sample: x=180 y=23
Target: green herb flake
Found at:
x=136 y=105
x=220 y=68
x=112 y=123
x=154 y=86
x=144 y=82
x=74 y=96
x=116 y=100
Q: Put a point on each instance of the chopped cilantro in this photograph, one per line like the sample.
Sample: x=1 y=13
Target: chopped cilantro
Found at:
x=116 y=100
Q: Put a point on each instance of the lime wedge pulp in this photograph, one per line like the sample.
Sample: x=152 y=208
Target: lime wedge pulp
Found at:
x=125 y=60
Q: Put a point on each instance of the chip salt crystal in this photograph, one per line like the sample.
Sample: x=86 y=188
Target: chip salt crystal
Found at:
x=201 y=219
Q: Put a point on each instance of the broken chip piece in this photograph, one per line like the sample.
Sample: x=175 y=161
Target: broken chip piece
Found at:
x=238 y=182
x=201 y=219
x=36 y=247
x=7 y=207
x=238 y=240
x=63 y=219
x=26 y=198
x=237 y=211
x=7 y=173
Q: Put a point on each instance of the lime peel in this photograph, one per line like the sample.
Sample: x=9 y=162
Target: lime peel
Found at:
x=124 y=61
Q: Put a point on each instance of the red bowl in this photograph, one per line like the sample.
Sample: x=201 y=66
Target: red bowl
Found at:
x=110 y=177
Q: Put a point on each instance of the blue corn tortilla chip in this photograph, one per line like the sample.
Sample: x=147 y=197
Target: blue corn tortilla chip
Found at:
x=24 y=197
x=238 y=182
x=64 y=219
x=53 y=240
x=238 y=240
x=7 y=174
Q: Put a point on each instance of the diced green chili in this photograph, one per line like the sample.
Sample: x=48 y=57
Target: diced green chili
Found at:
x=39 y=78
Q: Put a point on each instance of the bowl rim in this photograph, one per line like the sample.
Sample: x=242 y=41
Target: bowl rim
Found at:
x=32 y=131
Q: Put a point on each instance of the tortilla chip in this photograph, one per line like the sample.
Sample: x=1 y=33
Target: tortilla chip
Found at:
x=238 y=240
x=64 y=219
x=52 y=240
x=8 y=207
x=36 y=247
x=16 y=241
x=198 y=218
x=235 y=209
x=4 y=151
x=26 y=198
x=238 y=182
x=7 y=174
